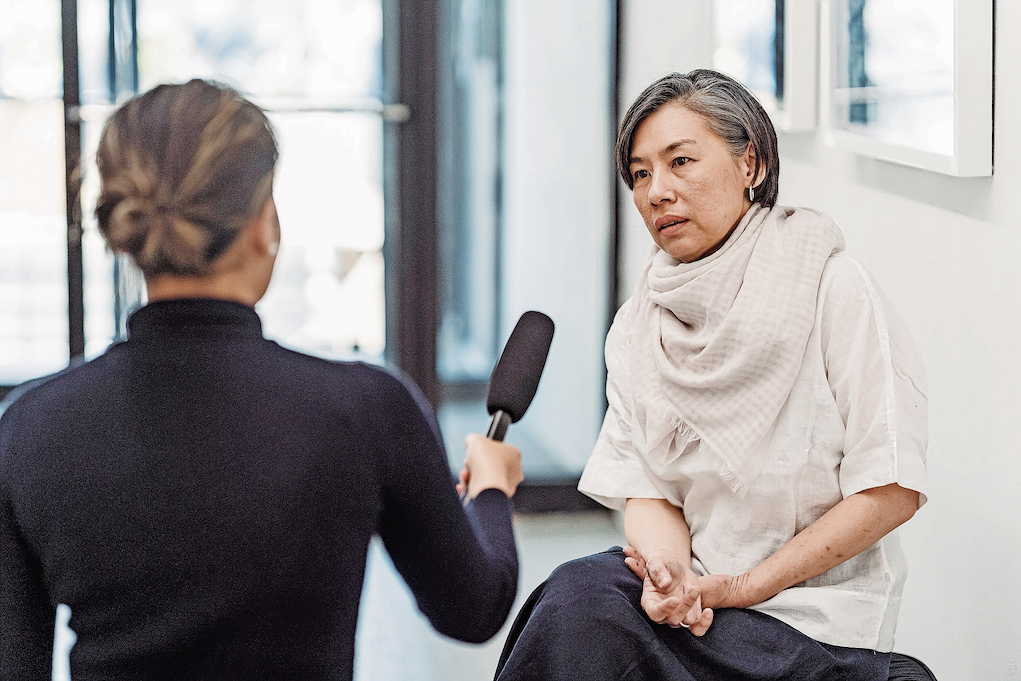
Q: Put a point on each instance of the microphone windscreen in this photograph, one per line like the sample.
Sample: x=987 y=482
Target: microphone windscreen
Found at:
x=516 y=375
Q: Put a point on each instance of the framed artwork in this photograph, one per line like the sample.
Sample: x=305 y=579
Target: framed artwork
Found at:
x=772 y=47
x=912 y=82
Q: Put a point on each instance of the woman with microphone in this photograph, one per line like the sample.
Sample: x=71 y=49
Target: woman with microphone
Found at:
x=202 y=498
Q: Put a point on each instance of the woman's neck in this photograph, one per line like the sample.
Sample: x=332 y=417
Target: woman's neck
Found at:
x=171 y=287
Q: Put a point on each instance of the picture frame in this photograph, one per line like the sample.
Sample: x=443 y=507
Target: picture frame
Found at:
x=912 y=82
x=772 y=47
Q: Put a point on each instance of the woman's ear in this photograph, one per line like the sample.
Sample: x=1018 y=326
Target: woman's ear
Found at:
x=264 y=229
x=747 y=164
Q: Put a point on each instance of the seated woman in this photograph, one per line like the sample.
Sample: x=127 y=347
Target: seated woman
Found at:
x=202 y=498
x=765 y=435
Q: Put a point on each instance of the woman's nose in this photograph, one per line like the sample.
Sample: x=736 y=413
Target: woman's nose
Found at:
x=660 y=189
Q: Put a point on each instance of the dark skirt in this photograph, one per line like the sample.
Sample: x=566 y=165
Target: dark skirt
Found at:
x=586 y=622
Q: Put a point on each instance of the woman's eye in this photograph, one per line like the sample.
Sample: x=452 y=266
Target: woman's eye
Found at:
x=681 y=160
x=639 y=174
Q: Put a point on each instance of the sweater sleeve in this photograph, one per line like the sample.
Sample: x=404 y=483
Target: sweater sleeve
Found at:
x=460 y=563
x=27 y=618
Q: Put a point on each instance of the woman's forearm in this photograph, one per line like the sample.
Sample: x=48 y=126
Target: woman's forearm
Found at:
x=660 y=554
x=847 y=529
x=657 y=528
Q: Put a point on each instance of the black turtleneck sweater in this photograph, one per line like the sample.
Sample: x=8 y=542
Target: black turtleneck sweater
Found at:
x=203 y=500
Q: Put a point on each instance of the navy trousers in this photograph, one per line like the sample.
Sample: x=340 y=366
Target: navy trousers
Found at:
x=586 y=622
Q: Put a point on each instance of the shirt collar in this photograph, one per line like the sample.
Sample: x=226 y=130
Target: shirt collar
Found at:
x=194 y=316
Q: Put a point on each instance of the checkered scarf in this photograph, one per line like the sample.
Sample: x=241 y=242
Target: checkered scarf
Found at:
x=715 y=345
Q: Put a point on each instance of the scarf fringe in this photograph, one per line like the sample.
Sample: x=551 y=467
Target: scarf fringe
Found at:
x=687 y=434
x=737 y=486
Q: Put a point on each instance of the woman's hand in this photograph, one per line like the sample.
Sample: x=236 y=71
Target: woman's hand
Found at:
x=670 y=592
x=489 y=464
x=660 y=554
x=715 y=591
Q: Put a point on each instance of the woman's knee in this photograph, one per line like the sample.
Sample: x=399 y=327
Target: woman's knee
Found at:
x=599 y=577
x=585 y=621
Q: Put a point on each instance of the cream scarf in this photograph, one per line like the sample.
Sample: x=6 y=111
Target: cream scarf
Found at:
x=714 y=346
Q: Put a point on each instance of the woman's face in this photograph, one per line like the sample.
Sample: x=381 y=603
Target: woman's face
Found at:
x=688 y=187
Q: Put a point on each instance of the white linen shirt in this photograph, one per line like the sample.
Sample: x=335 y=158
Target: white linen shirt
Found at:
x=855 y=419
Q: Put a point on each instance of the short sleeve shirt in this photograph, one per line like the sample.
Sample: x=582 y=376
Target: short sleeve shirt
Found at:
x=855 y=419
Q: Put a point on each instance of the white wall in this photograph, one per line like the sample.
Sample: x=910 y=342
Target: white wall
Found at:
x=657 y=37
x=948 y=253
x=558 y=138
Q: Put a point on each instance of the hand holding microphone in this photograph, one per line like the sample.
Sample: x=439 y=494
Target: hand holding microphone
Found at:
x=490 y=463
x=493 y=465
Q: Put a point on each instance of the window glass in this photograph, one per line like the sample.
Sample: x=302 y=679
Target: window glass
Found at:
x=112 y=287
x=746 y=46
x=33 y=257
x=307 y=48
x=545 y=189
x=895 y=72
x=315 y=66
x=30 y=64
x=469 y=191
x=326 y=295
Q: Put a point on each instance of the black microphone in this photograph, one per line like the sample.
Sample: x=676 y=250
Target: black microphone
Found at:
x=516 y=375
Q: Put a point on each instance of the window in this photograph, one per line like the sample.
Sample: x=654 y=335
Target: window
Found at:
x=33 y=227
x=528 y=217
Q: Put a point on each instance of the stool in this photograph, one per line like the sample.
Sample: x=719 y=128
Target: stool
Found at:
x=907 y=668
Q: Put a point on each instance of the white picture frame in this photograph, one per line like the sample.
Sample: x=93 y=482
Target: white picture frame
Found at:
x=939 y=120
x=744 y=47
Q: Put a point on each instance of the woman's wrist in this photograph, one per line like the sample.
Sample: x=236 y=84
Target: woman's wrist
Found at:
x=734 y=591
x=668 y=555
x=478 y=486
x=753 y=587
x=655 y=528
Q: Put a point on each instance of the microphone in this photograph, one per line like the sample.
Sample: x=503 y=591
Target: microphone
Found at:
x=516 y=375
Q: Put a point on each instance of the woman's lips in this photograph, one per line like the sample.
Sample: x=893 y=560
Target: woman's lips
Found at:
x=669 y=225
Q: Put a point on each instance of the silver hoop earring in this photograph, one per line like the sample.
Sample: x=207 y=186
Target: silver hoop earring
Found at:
x=751 y=194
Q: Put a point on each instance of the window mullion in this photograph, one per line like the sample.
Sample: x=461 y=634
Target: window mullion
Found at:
x=73 y=179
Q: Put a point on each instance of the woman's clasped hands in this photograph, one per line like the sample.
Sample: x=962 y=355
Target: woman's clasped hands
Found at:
x=674 y=595
x=671 y=593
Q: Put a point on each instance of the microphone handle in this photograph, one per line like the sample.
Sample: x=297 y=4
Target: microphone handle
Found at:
x=498 y=425
x=497 y=429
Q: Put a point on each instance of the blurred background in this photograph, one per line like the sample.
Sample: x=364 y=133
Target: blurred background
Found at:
x=447 y=165
x=422 y=213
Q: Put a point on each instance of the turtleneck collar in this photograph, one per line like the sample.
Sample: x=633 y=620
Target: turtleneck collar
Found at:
x=194 y=317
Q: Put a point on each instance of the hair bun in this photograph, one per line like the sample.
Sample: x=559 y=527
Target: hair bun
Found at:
x=183 y=168
x=155 y=236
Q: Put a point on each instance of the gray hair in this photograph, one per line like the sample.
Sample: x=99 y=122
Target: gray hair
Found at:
x=730 y=111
